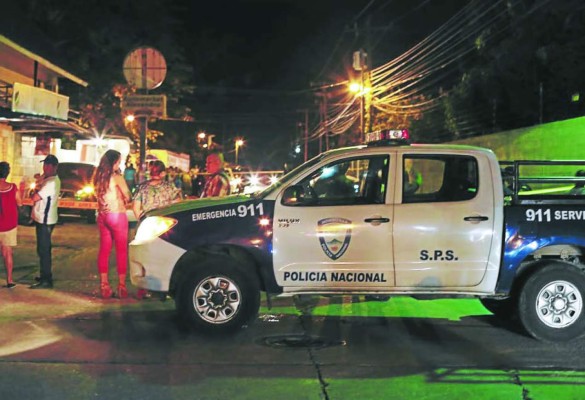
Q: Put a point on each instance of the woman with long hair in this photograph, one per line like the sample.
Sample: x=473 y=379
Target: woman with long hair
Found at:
x=113 y=195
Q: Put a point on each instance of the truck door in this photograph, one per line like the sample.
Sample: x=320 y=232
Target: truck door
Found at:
x=443 y=220
x=332 y=229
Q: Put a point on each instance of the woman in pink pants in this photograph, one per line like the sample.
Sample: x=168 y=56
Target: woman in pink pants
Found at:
x=113 y=195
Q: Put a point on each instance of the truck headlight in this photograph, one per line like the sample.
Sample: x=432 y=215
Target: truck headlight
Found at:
x=86 y=191
x=153 y=227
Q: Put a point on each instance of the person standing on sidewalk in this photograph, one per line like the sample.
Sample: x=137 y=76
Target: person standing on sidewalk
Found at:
x=9 y=203
x=44 y=214
x=130 y=177
x=113 y=195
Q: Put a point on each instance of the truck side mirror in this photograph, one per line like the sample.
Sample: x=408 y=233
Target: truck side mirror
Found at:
x=293 y=196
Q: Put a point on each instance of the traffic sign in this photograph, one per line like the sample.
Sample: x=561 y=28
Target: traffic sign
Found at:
x=145 y=105
x=145 y=68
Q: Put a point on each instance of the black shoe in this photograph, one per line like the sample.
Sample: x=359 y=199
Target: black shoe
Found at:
x=37 y=278
x=42 y=285
x=10 y=285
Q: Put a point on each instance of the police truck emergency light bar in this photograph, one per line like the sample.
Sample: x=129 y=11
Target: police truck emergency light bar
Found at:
x=387 y=134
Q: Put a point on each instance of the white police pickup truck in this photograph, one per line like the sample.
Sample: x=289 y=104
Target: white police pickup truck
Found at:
x=387 y=218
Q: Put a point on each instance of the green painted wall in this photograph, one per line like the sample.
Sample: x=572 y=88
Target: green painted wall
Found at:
x=561 y=140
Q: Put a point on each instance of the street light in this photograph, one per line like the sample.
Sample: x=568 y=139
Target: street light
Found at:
x=239 y=143
x=360 y=90
x=355 y=87
x=201 y=136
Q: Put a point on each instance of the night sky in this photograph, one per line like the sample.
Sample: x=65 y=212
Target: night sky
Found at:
x=255 y=62
x=273 y=53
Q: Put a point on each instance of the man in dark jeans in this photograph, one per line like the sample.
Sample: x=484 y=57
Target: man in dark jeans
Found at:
x=45 y=215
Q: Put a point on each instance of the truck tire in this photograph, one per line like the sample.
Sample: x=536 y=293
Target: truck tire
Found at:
x=503 y=308
x=219 y=297
x=550 y=306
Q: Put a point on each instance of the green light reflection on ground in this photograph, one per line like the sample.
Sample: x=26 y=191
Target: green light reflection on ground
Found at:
x=450 y=309
x=465 y=384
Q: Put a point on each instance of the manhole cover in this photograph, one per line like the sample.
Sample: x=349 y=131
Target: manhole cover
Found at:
x=299 y=341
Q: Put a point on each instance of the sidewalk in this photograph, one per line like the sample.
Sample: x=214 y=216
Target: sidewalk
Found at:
x=76 y=282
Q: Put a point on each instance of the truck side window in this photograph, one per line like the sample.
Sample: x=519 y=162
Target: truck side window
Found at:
x=346 y=182
x=439 y=178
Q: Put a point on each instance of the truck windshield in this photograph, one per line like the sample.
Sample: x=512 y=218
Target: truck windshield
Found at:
x=290 y=176
x=75 y=175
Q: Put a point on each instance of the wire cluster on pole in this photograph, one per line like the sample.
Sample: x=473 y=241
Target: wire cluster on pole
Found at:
x=417 y=81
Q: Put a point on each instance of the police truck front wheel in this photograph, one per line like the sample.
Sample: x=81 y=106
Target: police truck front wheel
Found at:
x=551 y=303
x=219 y=298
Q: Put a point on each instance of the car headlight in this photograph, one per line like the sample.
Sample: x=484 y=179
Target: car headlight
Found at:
x=85 y=191
x=153 y=227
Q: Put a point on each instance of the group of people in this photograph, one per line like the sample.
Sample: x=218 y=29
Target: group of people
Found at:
x=191 y=182
x=44 y=215
x=114 y=196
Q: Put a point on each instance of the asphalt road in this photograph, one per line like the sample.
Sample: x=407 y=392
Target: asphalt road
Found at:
x=69 y=344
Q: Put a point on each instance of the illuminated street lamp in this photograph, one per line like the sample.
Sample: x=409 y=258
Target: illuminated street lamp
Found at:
x=355 y=87
x=360 y=90
x=201 y=136
x=239 y=143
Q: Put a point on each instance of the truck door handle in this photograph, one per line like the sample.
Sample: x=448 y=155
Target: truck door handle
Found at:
x=378 y=220
x=476 y=218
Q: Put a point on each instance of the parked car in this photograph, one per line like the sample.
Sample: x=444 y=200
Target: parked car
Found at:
x=77 y=195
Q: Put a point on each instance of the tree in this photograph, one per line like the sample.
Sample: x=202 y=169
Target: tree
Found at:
x=93 y=44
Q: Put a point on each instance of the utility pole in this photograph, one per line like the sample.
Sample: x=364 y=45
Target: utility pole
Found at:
x=325 y=122
x=323 y=119
x=365 y=62
x=360 y=65
x=306 y=134
x=304 y=131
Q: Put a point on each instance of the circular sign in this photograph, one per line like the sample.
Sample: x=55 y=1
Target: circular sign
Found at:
x=145 y=68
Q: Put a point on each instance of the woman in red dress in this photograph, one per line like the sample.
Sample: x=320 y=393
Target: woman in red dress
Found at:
x=9 y=203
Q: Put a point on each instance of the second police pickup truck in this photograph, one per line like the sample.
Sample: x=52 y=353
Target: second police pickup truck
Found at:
x=387 y=218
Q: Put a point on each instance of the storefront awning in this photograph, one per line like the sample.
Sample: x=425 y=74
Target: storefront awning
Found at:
x=33 y=124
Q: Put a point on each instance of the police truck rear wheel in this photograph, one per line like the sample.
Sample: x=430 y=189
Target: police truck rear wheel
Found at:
x=219 y=298
x=551 y=303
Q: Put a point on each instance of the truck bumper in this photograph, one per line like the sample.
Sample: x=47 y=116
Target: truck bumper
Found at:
x=152 y=263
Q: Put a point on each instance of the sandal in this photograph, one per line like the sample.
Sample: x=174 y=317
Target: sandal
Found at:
x=122 y=292
x=106 y=290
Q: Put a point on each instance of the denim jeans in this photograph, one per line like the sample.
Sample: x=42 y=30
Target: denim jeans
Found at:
x=44 y=232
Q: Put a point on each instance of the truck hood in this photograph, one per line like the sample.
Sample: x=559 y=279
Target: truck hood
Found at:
x=188 y=205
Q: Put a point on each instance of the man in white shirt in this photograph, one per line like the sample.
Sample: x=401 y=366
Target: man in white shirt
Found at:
x=45 y=216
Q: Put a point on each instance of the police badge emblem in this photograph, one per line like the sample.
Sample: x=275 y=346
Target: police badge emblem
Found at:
x=334 y=236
